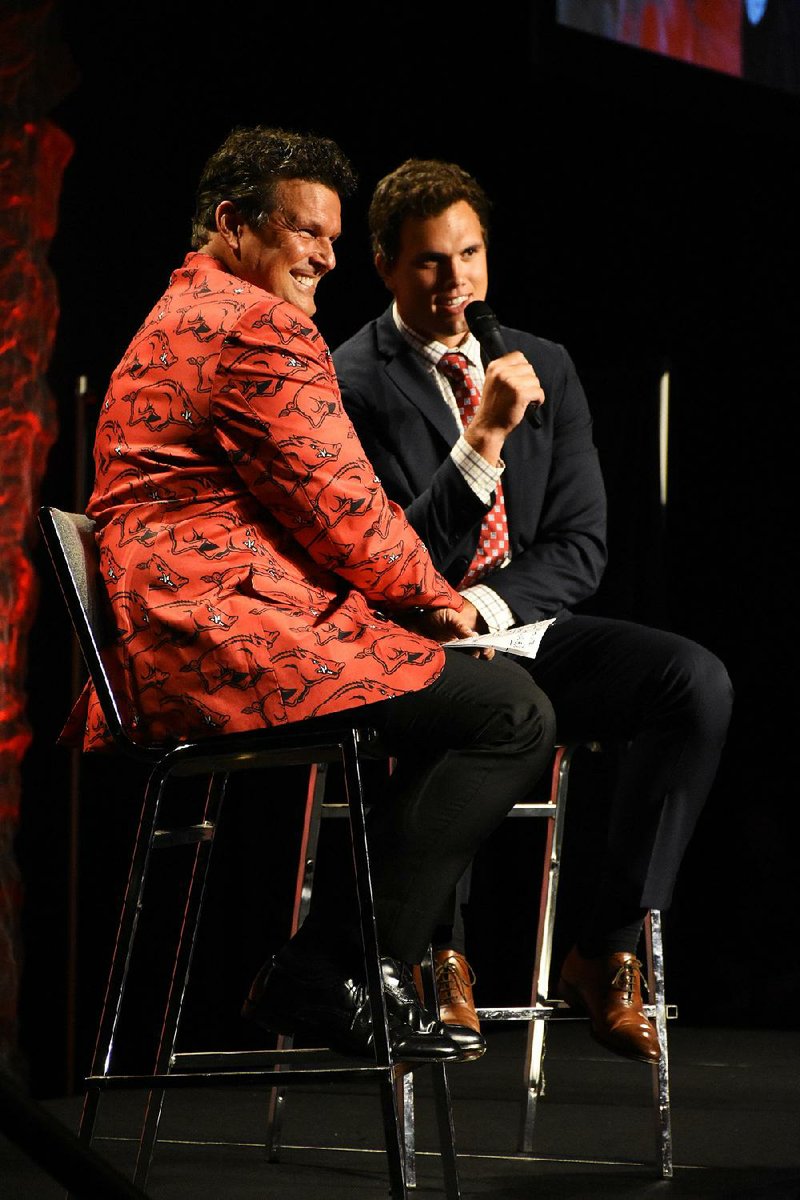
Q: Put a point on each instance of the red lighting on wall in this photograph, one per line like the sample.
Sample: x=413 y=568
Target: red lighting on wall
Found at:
x=33 y=155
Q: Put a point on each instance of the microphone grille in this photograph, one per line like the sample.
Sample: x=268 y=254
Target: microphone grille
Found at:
x=478 y=311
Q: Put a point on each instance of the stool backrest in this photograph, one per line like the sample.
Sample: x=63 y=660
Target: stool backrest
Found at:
x=70 y=542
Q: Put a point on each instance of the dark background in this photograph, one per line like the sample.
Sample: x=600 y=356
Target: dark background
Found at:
x=645 y=214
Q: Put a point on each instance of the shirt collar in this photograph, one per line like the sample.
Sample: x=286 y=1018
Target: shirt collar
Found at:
x=432 y=351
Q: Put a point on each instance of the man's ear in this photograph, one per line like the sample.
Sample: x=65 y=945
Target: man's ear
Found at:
x=229 y=224
x=383 y=270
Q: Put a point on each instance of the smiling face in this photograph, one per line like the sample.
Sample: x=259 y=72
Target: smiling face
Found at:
x=293 y=249
x=441 y=267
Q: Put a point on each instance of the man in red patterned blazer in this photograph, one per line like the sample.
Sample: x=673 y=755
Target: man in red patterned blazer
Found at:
x=258 y=575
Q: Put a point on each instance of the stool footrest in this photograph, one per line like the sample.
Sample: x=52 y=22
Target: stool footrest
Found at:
x=190 y=835
x=200 y=1060
x=556 y=1008
x=278 y=1075
x=245 y=1060
x=539 y=1011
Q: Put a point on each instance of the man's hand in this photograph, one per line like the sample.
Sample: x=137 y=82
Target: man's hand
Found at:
x=443 y=625
x=511 y=385
x=473 y=618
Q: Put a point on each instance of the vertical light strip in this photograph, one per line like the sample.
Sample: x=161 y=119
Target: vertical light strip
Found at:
x=663 y=436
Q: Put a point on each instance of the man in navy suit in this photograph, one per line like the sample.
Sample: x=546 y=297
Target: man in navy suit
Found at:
x=496 y=469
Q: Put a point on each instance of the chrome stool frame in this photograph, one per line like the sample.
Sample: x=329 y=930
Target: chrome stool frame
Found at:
x=317 y=808
x=69 y=539
x=542 y=1009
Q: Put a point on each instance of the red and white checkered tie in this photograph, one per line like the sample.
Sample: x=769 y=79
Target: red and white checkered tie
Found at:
x=493 y=543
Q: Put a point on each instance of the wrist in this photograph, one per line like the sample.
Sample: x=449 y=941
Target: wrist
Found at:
x=486 y=441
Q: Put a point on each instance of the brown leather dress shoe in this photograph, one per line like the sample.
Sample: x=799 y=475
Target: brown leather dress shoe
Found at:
x=609 y=989
x=454 y=980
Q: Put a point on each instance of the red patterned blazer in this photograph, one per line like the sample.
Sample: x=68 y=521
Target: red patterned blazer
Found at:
x=251 y=557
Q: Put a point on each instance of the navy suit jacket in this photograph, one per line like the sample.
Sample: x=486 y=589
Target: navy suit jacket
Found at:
x=553 y=487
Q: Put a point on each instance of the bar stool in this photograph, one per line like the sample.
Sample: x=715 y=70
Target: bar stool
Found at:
x=542 y=1008
x=69 y=538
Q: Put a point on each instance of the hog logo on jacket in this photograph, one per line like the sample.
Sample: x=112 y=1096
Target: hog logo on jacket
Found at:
x=304 y=456
x=287 y=329
x=396 y=650
x=110 y=444
x=163 y=577
x=168 y=404
x=298 y=670
x=209 y=320
x=232 y=663
x=130 y=614
x=349 y=491
x=368 y=691
x=110 y=569
x=132 y=529
x=200 y=614
x=313 y=408
x=151 y=352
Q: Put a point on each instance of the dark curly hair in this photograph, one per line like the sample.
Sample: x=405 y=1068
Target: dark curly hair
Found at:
x=248 y=166
x=420 y=187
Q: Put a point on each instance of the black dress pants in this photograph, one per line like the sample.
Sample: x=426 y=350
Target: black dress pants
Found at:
x=666 y=701
x=467 y=748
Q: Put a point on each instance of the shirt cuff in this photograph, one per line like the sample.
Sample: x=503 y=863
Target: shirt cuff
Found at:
x=480 y=475
x=494 y=610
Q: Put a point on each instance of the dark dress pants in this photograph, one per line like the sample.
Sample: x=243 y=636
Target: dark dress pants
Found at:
x=668 y=701
x=665 y=701
x=467 y=748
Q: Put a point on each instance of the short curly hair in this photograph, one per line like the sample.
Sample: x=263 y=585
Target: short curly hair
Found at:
x=250 y=163
x=420 y=187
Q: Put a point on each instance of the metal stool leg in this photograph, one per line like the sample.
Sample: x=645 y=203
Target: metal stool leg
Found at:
x=392 y=1127
x=442 y=1102
x=537 y=1026
x=661 y=1102
x=149 y=838
x=404 y=1084
x=441 y=1097
x=553 y=810
x=187 y=940
x=383 y=1054
x=309 y=840
x=121 y=958
x=405 y=1103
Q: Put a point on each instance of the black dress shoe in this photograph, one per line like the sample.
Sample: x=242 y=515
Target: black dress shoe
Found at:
x=402 y=1000
x=336 y=1013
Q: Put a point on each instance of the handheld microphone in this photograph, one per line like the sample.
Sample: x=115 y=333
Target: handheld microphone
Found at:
x=485 y=326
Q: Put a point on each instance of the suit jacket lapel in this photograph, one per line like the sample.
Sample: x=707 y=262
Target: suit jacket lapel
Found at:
x=409 y=375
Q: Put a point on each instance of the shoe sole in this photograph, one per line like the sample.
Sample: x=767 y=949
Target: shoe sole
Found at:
x=292 y=1027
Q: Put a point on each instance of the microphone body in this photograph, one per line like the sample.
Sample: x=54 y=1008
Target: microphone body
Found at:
x=485 y=326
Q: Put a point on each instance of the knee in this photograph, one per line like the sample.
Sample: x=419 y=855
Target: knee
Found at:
x=525 y=721
x=705 y=687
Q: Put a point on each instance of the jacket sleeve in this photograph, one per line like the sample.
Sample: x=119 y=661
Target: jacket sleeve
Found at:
x=561 y=555
x=278 y=416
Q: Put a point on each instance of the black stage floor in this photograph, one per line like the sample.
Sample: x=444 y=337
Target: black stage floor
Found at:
x=735 y=1117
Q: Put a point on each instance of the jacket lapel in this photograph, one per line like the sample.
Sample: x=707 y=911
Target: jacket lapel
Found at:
x=409 y=375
